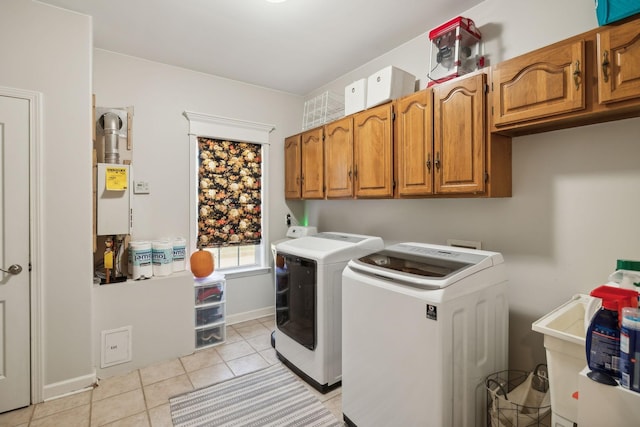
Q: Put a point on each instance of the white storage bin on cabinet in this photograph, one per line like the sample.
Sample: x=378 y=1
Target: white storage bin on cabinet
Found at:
x=210 y=310
x=355 y=97
x=388 y=84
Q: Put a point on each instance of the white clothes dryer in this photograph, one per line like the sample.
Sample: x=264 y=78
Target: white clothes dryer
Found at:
x=309 y=303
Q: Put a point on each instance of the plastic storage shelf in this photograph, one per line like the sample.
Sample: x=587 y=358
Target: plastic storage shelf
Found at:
x=210 y=314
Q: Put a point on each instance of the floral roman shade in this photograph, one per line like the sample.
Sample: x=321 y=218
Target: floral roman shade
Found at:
x=229 y=193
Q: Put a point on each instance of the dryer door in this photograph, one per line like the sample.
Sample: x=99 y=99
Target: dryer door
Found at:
x=296 y=280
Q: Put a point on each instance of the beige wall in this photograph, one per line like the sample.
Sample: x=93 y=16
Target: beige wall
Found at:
x=48 y=50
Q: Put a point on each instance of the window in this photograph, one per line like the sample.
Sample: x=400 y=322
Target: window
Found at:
x=230 y=201
x=229 y=213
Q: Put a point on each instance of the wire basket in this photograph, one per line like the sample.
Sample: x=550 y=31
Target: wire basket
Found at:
x=519 y=398
x=322 y=109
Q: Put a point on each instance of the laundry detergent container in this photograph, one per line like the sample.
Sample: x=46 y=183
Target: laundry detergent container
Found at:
x=564 y=342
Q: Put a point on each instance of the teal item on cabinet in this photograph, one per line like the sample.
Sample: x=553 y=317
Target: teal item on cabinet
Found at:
x=608 y=11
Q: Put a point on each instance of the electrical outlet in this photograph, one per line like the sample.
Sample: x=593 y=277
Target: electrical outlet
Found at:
x=141 y=187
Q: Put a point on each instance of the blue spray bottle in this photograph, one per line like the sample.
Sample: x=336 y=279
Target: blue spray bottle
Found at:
x=603 y=335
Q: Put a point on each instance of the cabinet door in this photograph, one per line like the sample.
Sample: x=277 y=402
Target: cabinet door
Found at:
x=619 y=62
x=414 y=144
x=312 y=164
x=338 y=158
x=292 y=157
x=543 y=83
x=459 y=129
x=373 y=142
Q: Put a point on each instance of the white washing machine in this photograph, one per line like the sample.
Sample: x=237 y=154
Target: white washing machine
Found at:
x=422 y=327
x=309 y=302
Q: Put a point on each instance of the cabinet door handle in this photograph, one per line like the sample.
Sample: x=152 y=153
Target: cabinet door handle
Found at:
x=429 y=163
x=437 y=161
x=349 y=174
x=355 y=172
x=605 y=66
x=576 y=75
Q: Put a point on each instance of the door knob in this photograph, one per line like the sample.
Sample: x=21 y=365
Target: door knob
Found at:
x=13 y=269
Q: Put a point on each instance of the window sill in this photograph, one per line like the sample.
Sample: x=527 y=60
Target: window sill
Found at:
x=235 y=273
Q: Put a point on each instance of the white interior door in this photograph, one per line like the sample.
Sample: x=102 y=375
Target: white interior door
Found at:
x=15 y=357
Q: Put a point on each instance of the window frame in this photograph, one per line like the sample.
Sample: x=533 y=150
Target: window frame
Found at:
x=217 y=127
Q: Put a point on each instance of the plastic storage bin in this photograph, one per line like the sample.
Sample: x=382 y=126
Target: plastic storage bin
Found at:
x=209 y=310
x=210 y=336
x=608 y=11
x=355 y=97
x=564 y=342
x=388 y=84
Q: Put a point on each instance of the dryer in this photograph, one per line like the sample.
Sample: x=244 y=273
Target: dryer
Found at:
x=308 y=335
x=423 y=326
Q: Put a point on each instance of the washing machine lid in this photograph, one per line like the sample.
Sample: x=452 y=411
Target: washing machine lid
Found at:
x=329 y=247
x=425 y=265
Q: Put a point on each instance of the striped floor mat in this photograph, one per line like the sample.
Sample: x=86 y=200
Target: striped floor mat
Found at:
x=269 y=397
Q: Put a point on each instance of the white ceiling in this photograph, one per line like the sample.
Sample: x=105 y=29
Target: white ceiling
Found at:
x=295 y=46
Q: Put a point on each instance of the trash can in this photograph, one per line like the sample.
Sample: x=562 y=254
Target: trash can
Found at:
x=519 y=398
x=564 y=342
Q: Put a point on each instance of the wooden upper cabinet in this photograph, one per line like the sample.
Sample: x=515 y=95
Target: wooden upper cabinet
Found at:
x=414 y=144
x=292 y=158
x=312 y=164
x=373 y=152
x=459 y=115
x=543 y=83
x=338 y=158
x=618 y=59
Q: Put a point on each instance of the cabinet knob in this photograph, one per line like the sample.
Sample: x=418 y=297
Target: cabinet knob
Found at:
x=605 y=66
x=437 y=161
x=429 y=163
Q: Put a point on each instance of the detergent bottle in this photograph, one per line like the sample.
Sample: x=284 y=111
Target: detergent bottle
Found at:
x=602 y=340
x=630 y=349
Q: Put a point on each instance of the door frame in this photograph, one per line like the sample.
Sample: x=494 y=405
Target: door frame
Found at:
x=35 y=235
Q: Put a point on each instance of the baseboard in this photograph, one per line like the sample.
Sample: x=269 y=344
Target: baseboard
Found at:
x=67 y=387
x=250 y=315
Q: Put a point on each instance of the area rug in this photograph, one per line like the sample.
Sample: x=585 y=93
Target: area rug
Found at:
x=269 y=397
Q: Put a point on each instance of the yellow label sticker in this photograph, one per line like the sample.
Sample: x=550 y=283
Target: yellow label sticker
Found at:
x=108 y=259
x=116 y=178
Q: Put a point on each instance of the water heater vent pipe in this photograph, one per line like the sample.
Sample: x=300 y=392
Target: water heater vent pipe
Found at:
x=111 y=123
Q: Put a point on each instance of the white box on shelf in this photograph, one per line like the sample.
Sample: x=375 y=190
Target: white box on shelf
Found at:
x=355 y=97
x=388 y=84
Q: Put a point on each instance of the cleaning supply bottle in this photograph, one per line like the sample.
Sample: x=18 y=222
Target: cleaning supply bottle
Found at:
x=630 y=349
x=603 y=335
x=627 y=275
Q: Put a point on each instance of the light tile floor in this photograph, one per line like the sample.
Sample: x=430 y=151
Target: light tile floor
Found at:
x=141 y=398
